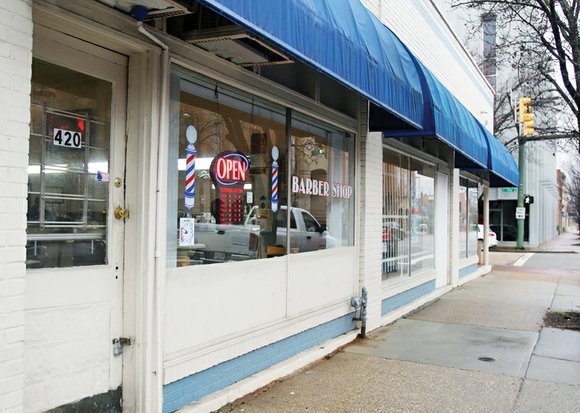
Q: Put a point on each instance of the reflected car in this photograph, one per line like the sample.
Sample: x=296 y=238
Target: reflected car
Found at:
x=392 y=231
x=491 y=236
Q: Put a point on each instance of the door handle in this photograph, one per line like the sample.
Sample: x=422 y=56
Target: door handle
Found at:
x=121 y=213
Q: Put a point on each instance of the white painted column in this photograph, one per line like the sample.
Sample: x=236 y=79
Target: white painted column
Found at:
x=140 y=387
x=370 y=213
x=15 y=73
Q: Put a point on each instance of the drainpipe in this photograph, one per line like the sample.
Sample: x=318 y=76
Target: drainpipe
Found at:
x=363 y=312
x=140 y=12
x=361 y=303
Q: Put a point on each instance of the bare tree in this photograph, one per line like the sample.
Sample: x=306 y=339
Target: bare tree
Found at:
x=573 y=192
x=538 y=45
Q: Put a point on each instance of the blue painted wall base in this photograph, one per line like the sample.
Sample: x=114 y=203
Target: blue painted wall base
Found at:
x=406 y=297
x=470 y=269
x=198 y=385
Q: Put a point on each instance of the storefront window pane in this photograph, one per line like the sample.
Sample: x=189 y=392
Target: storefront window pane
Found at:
x=468 y=218
x=408 y=216
x=395 y=232
x=221 y=204
x=463 y=219
x=322 y=165
x=472 y=217
x=422 y=216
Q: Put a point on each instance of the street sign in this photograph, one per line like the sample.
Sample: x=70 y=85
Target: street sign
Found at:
x=520 y=213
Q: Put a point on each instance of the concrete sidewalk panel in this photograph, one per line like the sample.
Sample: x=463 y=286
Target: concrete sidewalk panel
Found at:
x=566 y=303
x=452 y=345
x=359 y=383
x=554 y=370
x=569 y=287
x=501 y=290
x=568 y=261
x=539 y=396
x=505 y=258
x=559 y=344
x=483 y=313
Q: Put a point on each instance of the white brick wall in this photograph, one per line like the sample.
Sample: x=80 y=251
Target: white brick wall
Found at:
x=371 y=210
x=15 y=69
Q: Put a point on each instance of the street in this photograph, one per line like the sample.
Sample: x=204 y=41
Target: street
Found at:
x=480 y=348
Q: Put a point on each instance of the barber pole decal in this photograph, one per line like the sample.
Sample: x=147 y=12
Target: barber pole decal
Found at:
x=190 y=155
x=275 y=168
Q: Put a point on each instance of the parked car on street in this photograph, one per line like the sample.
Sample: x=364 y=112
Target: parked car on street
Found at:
x=491 y=236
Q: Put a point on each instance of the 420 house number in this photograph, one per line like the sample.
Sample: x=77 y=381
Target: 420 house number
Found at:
x=70 y=139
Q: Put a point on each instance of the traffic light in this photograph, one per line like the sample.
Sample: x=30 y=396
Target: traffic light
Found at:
x=528 y=199
x=526 y=116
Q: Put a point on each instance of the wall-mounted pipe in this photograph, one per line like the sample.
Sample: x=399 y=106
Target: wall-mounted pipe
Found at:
x=363 y=312
x=160 y=220
x=361 y=302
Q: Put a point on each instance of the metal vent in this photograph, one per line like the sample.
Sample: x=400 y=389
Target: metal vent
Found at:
x=174 y=8
x=157 y=8
x=238 y=47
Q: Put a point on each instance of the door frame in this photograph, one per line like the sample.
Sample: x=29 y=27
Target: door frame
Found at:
x=105 y=27
x=81 y=56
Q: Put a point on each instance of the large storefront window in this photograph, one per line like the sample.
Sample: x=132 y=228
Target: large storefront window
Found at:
x=408 y=216
x=322 y=165
x=228 y=191
x=68 y=169
x=468 y=215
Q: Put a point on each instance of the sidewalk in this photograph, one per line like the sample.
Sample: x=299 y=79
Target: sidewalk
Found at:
x=479 y=348
x=566 y=242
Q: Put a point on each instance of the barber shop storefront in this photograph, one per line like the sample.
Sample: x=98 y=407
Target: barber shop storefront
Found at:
x=222 y=193
x=238 y=171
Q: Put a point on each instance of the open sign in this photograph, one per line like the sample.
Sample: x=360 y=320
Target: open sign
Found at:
x=229 y=168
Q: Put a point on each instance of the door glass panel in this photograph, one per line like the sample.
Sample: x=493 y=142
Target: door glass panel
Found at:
x=68 y=185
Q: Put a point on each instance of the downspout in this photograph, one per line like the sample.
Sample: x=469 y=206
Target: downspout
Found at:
x=361 y=302
x=160 y=221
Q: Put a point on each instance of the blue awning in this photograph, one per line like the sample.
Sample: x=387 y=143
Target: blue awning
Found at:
x=342 y=39
x=503 y=169
x=447 y=119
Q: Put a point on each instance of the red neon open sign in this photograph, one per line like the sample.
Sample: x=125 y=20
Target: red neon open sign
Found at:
x=229 y=169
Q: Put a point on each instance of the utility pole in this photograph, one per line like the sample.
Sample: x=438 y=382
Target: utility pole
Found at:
x=520 y=218
x=527 y=119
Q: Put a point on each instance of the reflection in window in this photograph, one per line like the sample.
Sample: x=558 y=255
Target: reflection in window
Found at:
x=322 y=165
x=408 y=216
x=468 y=217
x=228 y=198
x=422 y=216
x=472 y=213
x=68 y=168
x=221 y=208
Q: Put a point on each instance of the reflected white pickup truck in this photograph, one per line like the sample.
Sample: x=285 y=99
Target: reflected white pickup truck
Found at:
x=222 y=242
x=306 y=233
x=219 y=243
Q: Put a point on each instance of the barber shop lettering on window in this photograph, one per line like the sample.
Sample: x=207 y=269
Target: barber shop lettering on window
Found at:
x=316 y=187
